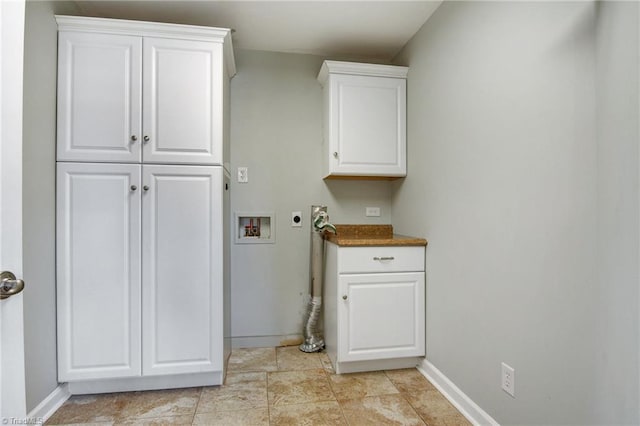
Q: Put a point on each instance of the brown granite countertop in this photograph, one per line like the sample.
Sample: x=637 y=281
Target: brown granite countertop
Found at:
x=370 y=235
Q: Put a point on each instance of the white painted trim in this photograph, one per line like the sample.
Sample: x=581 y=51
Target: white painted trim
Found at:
x=144 y=383
x=139 y=28
x=459 y=399
x=375 y=365
x=152 y=29
x=638 y=159
x=50 y=404
x=357 y=68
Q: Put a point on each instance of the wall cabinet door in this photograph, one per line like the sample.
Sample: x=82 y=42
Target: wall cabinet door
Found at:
x=183 y=100
x=99 y=97
x=98 y=273
x=182 y=272
x=381 y=316
x=367 y=134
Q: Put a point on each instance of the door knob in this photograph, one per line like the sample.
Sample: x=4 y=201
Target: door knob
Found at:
x=9 y=285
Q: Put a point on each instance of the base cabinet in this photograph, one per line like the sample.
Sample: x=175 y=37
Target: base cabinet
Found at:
x=115 y=318
x=375 y=316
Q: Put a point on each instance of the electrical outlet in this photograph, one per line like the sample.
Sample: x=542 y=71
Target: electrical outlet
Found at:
x=243 y=174
x=372 y=211
x=508 y=380
x=296 y=219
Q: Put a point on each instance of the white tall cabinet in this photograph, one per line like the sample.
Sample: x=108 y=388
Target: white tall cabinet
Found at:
x=141 y=241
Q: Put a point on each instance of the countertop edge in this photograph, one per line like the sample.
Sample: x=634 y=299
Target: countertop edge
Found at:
x=397 y=240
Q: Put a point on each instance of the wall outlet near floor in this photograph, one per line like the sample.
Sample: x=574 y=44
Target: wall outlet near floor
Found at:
x=243 y=174
x=372 y=211
x=508 y=380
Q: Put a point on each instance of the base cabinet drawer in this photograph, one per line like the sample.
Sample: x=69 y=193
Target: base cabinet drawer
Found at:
x=380 y=259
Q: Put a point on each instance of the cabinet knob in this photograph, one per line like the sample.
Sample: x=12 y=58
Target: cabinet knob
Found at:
x=344 y=297
x=134 y=138
x=133 y=187
x=146 y=187
x=335 y=154
x=146 y=139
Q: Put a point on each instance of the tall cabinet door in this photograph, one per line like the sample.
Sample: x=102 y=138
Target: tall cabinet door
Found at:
x=182 y=269
x=99 y=97
x=183 y=100
x=98 y=271
x=365 y=332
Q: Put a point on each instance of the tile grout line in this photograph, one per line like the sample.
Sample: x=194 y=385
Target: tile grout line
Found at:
x=406 y=399
x=195 y=411
x=267 y=388
x=328 y=375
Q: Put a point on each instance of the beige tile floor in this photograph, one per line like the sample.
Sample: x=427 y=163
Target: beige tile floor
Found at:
x=275 y=386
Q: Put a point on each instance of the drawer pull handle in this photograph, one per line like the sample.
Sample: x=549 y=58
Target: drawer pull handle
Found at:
x=384 y=258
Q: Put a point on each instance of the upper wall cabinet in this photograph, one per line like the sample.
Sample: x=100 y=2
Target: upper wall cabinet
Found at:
x=140 y=91
x=364 y=120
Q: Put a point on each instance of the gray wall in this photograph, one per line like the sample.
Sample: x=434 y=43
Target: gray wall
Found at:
x=530 y=204
x=40 y=58
x=618 y=213
x=276 y=131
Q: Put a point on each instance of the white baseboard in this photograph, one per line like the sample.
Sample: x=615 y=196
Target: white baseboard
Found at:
x=462 y=402
x=51 y=403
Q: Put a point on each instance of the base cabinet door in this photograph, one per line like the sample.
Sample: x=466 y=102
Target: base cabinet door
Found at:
x=381 y=316
x=98 y=273
x=183 y=269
